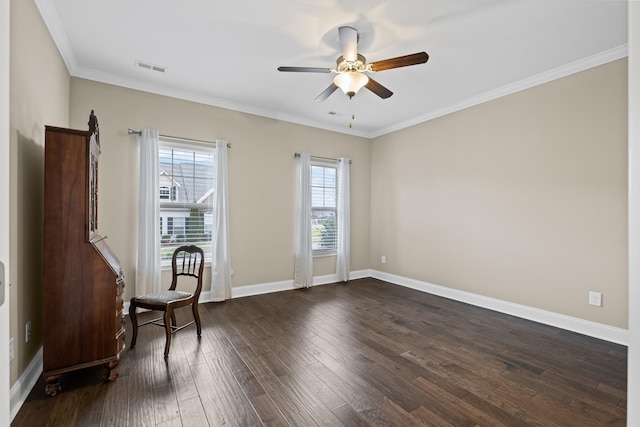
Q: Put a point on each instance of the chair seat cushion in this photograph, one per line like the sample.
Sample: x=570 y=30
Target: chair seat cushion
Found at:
x=163 y=297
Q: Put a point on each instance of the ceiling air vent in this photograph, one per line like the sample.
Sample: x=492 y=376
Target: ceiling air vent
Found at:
x=149 y=66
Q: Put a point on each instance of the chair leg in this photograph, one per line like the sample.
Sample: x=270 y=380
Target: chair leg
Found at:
x=134 y=322
x=196 y=317
x=168 y=315
x=173 y=319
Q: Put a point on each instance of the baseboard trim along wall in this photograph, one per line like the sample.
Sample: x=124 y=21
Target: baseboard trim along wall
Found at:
x=574 y=324
x=267 y=288
x=287 y=285
x=25 y=383
x=21 y=389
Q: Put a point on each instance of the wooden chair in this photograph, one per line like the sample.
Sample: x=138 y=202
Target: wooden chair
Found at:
x=186 y=261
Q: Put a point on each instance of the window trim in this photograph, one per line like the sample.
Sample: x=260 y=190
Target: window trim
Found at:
x=319 y=253
x=166 y=205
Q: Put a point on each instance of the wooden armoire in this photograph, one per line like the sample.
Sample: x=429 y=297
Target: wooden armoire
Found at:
x=83 y=321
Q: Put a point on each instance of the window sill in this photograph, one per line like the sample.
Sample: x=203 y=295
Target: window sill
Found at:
x=320 y=254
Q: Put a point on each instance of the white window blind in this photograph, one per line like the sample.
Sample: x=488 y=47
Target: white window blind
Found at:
x=323 y=208
x=186 y=197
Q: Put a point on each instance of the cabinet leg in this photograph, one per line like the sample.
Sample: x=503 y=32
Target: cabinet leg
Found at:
x=112 y=371
x=52 y=386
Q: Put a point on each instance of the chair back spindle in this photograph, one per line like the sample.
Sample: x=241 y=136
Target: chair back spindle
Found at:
x=190 y=262
x=187 y=261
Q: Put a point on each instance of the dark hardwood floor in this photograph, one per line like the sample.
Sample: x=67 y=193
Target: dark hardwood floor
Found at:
x=365 y=353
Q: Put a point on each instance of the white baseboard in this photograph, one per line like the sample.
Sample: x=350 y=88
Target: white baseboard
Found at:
x=287 y=285
x=574 y=324
x=23 y=386
x=21 y=389
x=267 y=288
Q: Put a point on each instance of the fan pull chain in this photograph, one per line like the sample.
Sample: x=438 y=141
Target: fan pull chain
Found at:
x=353 y=114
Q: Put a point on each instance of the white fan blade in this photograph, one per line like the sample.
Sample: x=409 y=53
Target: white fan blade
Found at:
x=349 y=43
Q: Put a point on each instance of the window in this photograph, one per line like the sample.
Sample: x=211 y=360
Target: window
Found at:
x=186 y=197
x=323 y=209
x=168 y=193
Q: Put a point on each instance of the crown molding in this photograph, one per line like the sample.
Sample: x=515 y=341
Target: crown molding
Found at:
x=158 y=89
x=52 y=20
x=542 y=78
x=545 y=77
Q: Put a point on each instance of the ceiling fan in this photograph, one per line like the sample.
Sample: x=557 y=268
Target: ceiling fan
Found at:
x=351 y=66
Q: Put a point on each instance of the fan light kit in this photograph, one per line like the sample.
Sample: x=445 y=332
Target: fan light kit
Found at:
x=351 y=67
x=350 y=82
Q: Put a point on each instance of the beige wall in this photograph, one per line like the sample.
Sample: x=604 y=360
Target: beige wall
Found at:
x=262 y=176
x=39 y=86
x=523 y=198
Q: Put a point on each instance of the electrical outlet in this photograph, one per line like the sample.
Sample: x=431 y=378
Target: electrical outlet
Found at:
x=595 y=298
x=383 y=259
x=27 y=331
x=12 y=354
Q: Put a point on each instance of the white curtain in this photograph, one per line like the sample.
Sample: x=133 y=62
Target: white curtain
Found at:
x=303 y=265
x=148 y=260
x=344 y=225
x=221 y=262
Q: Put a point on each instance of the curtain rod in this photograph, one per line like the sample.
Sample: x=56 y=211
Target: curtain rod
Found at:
x=139 y=132
x=322 y=158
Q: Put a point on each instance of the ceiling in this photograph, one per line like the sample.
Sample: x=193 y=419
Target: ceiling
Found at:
x=226 y=53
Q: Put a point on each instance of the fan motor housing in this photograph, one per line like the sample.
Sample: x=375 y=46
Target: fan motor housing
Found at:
x=342 y=65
